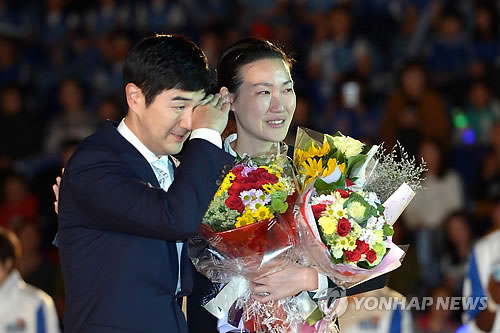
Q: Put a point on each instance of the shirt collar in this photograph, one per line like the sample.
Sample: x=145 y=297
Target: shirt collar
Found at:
x=227 y=144
x=8 y=286
x=134 y=141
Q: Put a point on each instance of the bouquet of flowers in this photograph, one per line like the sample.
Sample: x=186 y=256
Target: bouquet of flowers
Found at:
x=345 y=228
x=251 y=232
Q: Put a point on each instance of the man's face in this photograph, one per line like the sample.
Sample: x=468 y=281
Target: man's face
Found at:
x=165 y=124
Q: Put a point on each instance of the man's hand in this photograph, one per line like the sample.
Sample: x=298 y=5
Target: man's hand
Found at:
x=287 y=282
x=55 y=188
x=212 y=113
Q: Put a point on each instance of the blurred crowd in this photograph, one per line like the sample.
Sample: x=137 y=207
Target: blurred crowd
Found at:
x=421 y=72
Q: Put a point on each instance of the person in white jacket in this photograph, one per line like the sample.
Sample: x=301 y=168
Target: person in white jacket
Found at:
x=482 y=285
x=23 y=308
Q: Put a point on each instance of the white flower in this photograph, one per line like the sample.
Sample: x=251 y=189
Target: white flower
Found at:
x=348 y=146
x=372 y=223
x=323 y=199
x=368 y=236
x=380 y=222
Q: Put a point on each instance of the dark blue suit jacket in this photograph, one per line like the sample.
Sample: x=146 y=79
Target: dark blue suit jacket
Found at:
x=117 y=233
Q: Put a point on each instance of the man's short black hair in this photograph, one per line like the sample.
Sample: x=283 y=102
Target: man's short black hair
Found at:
x=164 y=62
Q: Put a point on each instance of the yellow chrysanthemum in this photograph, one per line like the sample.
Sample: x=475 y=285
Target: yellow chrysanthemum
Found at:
x=279 y=186
x=271 y=170
x=328 y=225
x=268 y=188
x=245 y=219
x=262 y=213
x=226 y=183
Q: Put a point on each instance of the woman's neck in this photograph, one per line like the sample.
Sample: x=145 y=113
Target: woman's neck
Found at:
x=251 y=147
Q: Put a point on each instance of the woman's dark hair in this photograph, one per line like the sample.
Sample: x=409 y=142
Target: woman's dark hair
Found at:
x=10 y=247
x=164 y=62
x=242 y=53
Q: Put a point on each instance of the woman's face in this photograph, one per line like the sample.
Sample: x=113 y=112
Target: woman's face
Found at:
x=265 y=101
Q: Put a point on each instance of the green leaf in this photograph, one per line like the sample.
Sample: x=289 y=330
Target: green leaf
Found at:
x=364 y=264
x=388 y=230
x=355 y=161
x=380 y=208
x=323 y=187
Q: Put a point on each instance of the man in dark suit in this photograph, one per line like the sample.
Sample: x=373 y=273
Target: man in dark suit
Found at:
x=121 y=234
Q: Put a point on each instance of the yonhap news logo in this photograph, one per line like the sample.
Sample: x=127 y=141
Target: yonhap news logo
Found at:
x=371 y=303
x=333 y=297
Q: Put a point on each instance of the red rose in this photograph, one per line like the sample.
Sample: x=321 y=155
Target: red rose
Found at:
x=362 y=246
x=318 y=209
x=236 y=188
x=269 y=178
x=237 y=170
x=259 y=171
x=352 y=256
x=343 y=194
x=234 y=202
x=371 y=256
x=343 y=227
x=261 y=182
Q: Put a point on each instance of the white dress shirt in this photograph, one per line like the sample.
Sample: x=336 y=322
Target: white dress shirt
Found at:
x=162 y=166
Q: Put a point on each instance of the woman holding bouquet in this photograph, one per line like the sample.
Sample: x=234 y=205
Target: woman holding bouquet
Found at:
x=256 y=75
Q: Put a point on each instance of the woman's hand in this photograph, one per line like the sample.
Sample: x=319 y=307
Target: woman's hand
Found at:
x=287 y=282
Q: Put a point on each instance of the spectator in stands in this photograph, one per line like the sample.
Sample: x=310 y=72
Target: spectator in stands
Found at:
x=74 y=121
x=481 y=112
x=458 y=241
x=439 y=317
x=24 y=308
x=18 y=202
x=442 y=194
x=414 y=112
x=483 y=280
x=33 y=265
x=449 y=53
x=487 y=184
x=20 y=132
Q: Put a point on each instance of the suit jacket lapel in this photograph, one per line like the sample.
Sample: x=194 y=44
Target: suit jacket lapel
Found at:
x=141 y=168
x=129 y=154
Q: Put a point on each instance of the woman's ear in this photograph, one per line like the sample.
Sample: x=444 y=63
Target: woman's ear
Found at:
x=225 y=92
